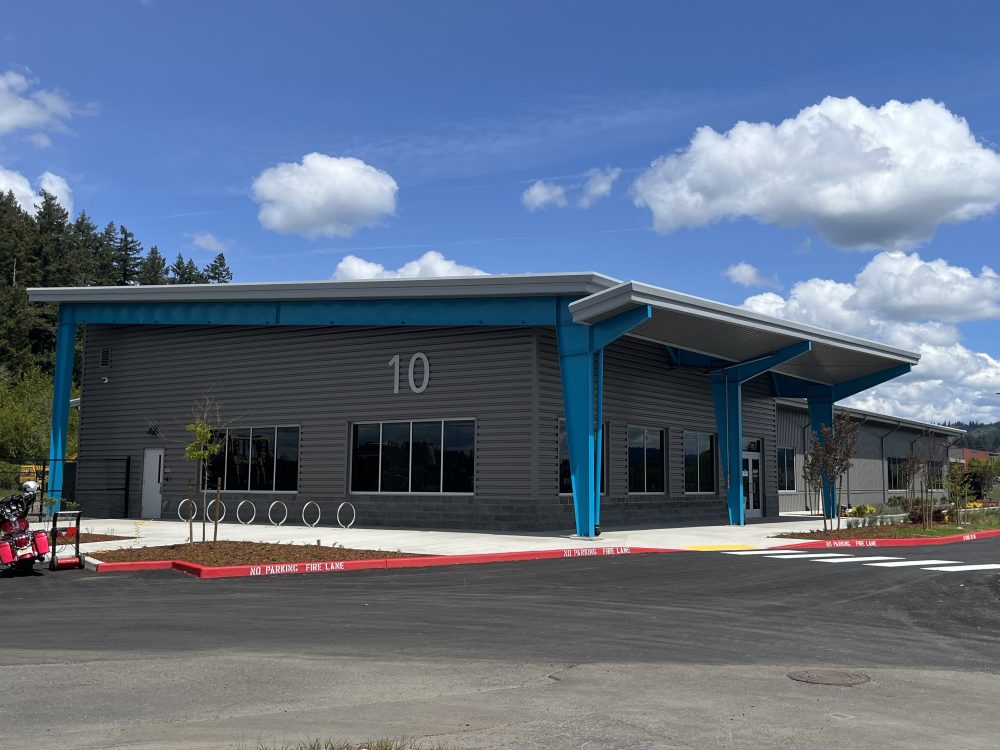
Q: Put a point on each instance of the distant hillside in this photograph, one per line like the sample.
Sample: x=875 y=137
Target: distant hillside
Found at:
x=984 y=437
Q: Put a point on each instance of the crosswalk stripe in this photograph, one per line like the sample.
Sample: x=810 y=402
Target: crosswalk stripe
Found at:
x=960 y=568
x=810 y=555
x=869 y=558
x=912 y=563
x=766 y=552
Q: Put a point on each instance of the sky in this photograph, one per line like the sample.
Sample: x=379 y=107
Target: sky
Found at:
x=835 y=163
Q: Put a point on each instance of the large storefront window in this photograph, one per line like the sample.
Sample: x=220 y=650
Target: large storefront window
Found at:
x=425 y=457
x=786 y=469
x=646 y=460
x=699 y=462
x=896 y=468
x=255 y=459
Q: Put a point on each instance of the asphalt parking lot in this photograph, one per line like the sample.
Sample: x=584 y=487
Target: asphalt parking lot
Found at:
x=668 y=650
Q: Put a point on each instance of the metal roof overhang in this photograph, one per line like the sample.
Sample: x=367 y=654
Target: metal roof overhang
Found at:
x=736 y=335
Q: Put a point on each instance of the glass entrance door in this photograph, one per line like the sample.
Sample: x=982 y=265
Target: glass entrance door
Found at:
x=752 y=486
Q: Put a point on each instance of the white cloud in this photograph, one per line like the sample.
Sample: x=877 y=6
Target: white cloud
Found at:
x=913 y=304
x=26 y=196
x=745 y=274
x=208 y=241
x=23 y=106
x=542 y=194
x=431 y=263
x=40 y=139
x=862 y=177
x=598 y=185
x=327 y=196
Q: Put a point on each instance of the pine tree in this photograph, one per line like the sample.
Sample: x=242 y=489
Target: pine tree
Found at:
x=104 y=259
x=217 y=272
x=152 y=268
x=127 y=253
x=193 y=274
x=88 y=244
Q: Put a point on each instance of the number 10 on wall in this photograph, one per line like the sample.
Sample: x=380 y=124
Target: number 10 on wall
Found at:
x=411 y=371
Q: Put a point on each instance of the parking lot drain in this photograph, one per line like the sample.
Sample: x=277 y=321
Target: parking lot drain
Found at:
x=830 y=677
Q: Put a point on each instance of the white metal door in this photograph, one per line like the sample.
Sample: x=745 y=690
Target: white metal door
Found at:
x=152 y=482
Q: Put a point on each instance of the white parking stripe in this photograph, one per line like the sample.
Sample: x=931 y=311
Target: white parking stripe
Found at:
x=810 y=555
x=959 y=568
x=765 y=552
x=912 y=563
x=860 y=559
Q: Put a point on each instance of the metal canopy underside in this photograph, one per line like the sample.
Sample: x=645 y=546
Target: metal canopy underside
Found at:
x=736 y=335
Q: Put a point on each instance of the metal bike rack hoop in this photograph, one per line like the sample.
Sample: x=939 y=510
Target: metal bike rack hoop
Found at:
x=270 y=509
x=319 y=514
x=194 y=513
x=208 y=514
x=252 y=507
x=354 y=515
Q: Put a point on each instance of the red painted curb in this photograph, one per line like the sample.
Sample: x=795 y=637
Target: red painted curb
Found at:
x=910 y=542
x=232 y=571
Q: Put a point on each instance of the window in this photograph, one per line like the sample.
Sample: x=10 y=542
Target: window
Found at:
x=699 y=462
x=645 y=460
x=897 y=478
x=565 y=480
x=935 y=475
x=255 y=459
x=786 y=469
x=425 y=457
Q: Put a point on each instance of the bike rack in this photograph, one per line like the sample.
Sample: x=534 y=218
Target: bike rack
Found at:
x=271 y=508
x=252 y=508
x=208 y=512
x=194 y=512
x=354 y=515
x=67 y=523
x=319 y=514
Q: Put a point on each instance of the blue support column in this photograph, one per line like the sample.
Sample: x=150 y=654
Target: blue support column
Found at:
x=820 y=401
x=65 y=348
x=727 y=396
x=599 y=453
x=578 y=345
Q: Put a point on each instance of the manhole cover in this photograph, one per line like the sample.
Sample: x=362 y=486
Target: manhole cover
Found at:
x=830 y=677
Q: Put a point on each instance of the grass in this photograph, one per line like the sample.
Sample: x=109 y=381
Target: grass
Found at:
x=243 y=553
x=977 y=521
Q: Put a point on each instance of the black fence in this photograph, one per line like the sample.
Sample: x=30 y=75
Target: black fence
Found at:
x=99 y=482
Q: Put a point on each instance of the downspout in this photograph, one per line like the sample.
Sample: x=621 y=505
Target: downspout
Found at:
x=885 y=468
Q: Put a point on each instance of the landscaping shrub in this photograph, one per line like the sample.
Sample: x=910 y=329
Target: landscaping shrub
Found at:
x=940 y=515
x=865 y=510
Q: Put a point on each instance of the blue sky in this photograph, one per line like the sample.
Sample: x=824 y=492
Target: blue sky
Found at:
x=168 y=112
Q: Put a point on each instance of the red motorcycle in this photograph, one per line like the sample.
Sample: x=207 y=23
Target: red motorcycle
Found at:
x=20 y=547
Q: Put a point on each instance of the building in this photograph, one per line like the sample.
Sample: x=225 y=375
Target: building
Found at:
x=501 y=402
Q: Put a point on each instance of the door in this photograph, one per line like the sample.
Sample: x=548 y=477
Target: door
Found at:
x=152 y=482
x=751 y=485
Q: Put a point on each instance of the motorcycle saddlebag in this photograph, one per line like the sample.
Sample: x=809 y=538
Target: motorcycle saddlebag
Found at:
x=6 y=554
x=41 y=542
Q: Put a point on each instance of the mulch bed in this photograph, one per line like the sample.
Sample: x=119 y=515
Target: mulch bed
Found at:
x=888 y=531
x=244 y=553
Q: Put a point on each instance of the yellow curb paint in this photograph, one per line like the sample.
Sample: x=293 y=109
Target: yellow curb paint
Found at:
x=718 y=547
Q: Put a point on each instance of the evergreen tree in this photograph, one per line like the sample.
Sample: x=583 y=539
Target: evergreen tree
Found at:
x=193 y=274
x=88 y=244
x=127 y=253
x=152 y=268
x=217 y=272
x=104 y=258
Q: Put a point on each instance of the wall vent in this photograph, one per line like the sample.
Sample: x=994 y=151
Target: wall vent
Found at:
x=105 y=357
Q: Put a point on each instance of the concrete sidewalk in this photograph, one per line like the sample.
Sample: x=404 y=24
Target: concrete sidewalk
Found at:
x=156 y=533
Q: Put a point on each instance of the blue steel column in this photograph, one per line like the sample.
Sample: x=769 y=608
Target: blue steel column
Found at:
x=727 y=395
x=65 y=347
x=576 y=366
x=599 y=453
x=820 y=401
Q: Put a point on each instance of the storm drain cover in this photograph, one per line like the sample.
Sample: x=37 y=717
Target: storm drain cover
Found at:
x=830 y=677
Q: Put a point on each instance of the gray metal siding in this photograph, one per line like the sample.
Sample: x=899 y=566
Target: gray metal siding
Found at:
x=641 y=388
x=867 y=481
x=322 y=379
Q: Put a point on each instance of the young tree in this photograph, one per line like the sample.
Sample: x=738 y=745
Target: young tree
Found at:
x=206 y=442
x=959 y=485
x=830 y=455
x=217 y=272
x=926 y=465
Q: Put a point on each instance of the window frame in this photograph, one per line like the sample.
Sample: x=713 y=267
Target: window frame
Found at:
x=645 y=473
x=274 y=462
x=789 y=470
x=714 y=443
x=891 y=461
x=409 y=492
x=606 y=456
